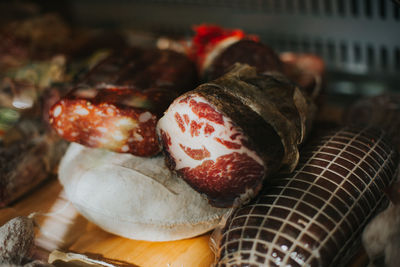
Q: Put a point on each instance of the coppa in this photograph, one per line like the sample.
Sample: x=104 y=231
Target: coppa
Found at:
x=117 y=105
x=208 y=148
x=226 y=136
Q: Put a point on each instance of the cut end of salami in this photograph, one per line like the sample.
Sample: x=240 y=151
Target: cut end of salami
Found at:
x=209 y=151
x=122 y=123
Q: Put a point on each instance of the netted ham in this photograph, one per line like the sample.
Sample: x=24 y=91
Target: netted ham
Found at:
x=118 y=103
x=315 y=215
x=226 y=136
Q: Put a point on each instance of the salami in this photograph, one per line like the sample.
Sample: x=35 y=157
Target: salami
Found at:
x=114 y=118
x=144 y=69
x=315 y=215
x=245 y=51
x=117 y=104
x=226 y=136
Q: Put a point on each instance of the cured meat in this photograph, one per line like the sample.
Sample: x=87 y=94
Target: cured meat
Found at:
x=144 y=69
x=315 y=215
x=381 y=236
x=119 y=102
x=379 y=111
x=118 y=119
x=306 y=70
x=226 y=136
x=216 y=50
x=249 y=52
x=28 y=156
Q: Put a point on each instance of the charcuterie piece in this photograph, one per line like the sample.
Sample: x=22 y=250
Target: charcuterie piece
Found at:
x=226 y=136
x=378 y=111
x=144 y=69
x=28 y=156
x=118 y=119
x=120 y=100
x=216 y=50
x=249 y=52
x=306 y=70
x=315 y=215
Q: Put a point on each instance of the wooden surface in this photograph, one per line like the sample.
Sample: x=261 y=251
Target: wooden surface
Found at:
x=61 y=227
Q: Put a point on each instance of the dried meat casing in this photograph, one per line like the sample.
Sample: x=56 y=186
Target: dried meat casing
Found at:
x=313 y=216
x=226 y=136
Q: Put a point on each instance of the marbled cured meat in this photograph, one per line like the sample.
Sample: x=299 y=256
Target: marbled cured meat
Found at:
x=117 y=104
x=226 y=136
x=315 y=215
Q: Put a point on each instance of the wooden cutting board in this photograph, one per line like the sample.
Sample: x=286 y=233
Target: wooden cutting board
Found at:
x=62 y=228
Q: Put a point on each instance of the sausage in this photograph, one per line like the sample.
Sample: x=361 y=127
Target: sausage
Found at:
x=249 y=52
x=117 y=104
x=226 y=136
x=114 y=118
x=314 y=216
x=143 y=69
